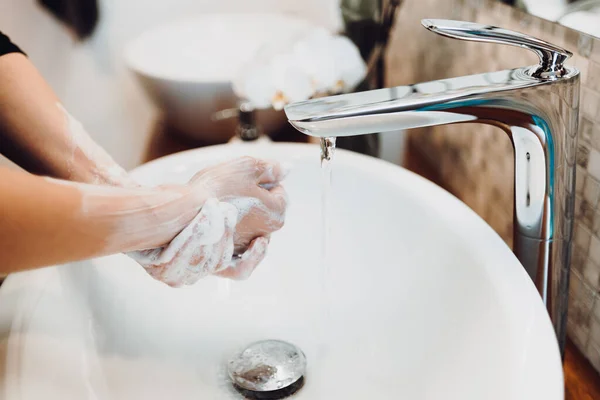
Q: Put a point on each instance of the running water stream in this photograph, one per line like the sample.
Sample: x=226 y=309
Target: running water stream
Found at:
x=327 y=154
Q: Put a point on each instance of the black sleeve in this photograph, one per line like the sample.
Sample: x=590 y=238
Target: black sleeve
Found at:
x=6 y=46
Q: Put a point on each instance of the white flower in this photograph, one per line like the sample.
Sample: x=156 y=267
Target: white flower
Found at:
x=349 y=64
x=291 y=82
x=313 y=54
x=318 y=64
x=274 y=84
x=256 y=85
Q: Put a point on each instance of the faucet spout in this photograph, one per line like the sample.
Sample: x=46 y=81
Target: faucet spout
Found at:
x=537 y=109
x=404 y=107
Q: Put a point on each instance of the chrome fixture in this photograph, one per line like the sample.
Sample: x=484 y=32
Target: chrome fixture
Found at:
x=247 y=129
x=537 y=106
x=269 y=369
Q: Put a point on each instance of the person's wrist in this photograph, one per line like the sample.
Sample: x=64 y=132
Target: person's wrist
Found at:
x=173 y=207
x=200 y=191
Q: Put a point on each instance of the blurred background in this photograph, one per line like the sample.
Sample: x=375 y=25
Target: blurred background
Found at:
x=90 y=75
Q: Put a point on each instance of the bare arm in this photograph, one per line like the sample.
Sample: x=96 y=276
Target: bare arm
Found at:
x=191 y=230
x=37 y=133
x=45 y=221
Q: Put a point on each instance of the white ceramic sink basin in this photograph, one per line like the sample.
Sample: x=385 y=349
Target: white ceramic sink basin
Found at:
x=425 y=302
x=186 y=67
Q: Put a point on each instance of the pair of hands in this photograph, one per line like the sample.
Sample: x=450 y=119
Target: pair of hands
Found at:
x=242 y=203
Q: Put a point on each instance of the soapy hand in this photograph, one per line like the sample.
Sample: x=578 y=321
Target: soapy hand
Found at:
x=243 y=203
x=253 y=187
x=204 y=247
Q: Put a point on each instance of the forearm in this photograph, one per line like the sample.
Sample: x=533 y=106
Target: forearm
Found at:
x=46 y=222
x=37 y=133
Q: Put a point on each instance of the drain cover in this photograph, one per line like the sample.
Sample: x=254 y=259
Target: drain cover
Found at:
x=269 y=369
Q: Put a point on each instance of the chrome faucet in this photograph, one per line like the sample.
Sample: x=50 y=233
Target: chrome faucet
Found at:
x=537 y=106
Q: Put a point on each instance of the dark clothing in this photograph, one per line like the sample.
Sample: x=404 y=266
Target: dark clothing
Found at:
x=79 y=15
x=6 y=46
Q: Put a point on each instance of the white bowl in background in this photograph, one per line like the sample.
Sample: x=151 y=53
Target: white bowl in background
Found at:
x=186 y=67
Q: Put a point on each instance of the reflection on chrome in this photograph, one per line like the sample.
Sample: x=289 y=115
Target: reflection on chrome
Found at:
x=537 y=106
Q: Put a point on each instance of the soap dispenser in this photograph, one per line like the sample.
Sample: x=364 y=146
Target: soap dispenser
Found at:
x=248 y=129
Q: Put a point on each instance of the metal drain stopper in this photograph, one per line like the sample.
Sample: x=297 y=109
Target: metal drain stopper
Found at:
x=269 y=369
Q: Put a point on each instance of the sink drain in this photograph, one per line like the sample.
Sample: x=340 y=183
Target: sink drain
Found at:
x=269 y=369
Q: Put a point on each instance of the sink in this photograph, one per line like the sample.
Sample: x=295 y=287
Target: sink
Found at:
x=186 y=67
x=422 y=300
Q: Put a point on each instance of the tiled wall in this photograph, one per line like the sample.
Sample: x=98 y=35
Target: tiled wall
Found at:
x=478 y=168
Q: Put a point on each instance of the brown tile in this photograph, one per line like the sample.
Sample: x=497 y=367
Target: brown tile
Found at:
x=595 y=132
x=595 y=53
x=580 y=180
x=578 y=333
x=595 y=330
x=547 y=27
x=591 y=273
x=590 y=101
x=581 y=300
x=596 y=228
x=596 y=309
x=583 y=156
x=593 y=81
x=594 y=164
x=558 y=38
x=582 y=238
x=582 y=65
x=584 y=44
x=594 y=251
x=571 y=40
x=592 y=353
x=591 y=191
x=586 y=133
x=578 y=259
x=587 y=214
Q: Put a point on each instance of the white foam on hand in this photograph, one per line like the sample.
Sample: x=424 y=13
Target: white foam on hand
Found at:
x=243 y=204
x=202 y=248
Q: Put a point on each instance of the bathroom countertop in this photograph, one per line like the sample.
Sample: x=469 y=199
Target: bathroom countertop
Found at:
x=582 y=381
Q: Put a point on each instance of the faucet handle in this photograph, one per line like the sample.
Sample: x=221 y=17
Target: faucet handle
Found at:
x=551 y=57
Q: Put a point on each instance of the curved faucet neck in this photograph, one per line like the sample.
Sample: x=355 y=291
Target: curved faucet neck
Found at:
x=539 y=115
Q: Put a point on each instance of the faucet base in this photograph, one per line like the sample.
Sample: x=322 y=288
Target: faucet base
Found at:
x=550 y=278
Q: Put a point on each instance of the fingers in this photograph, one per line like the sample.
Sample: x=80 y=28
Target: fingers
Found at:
x=212 y=246
x=265 y=172
x=257 y=208
x=220 y=253
x=276 y=201
x=240 y=171
x=243 y=267
x=202 y=248
x=271 y=173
